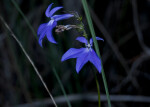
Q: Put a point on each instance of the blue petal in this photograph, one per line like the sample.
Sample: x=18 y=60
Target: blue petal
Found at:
x=50 y=36
x=61 y=17
x=54 y=10
x=41 y=28
x=47 y=12
x=82 y=60
x=72 y=53
x=42 y=35
x=95 y=60
x=97 y=38
x=49 y=31
x=82 y=39
x=40 y=42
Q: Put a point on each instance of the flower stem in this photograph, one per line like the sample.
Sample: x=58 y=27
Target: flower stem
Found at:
x=85 y=6
x=81 y=25
x=98 y=90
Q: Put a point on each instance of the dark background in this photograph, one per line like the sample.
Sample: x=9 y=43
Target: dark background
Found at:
x=124 y=25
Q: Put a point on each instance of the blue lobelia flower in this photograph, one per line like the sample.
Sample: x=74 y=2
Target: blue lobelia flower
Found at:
x=46 y=28
x=84 y=55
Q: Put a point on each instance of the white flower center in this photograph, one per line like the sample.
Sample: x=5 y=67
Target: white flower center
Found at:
x=89 y=46
x=52 y=18
x=51 y=22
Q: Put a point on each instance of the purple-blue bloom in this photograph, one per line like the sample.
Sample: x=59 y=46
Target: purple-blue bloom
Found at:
x=84 y=55
x=46 y=28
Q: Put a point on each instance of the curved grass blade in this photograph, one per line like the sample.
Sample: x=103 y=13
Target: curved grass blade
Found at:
x=62 y=88
x=36 y=70
x=25 y=18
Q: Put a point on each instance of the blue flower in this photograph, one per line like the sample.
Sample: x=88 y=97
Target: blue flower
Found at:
x=84 y=55
x=46 y=28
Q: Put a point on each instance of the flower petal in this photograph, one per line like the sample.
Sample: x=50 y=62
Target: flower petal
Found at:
x=82 y=39
x=61 y=17
x=42 y=35
x=47 y=12
x=50 y=36
x=51 y=24
x=72 y=53
x=41 y=28
x=95 y=60
x=54 y=10
x=97 y=38
x=81 y=61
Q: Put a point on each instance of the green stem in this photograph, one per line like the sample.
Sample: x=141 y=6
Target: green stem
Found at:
x=62 y=88
x=85 y=6
x=81 y=25
x=98 y=90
